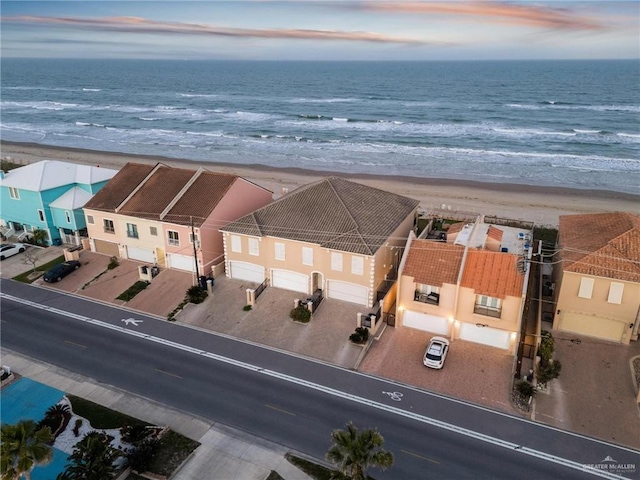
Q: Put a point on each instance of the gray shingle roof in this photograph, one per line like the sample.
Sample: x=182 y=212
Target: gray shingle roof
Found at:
x=333 y=213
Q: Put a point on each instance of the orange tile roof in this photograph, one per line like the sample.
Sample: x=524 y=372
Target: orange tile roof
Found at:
x=433 y=263
x=455 y=227
x=602 y=244
x=495 y=233
x=493 y=274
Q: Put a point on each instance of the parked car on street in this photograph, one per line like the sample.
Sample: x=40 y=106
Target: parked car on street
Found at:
x=61 y=270
x=10 y=249
x=436 y=352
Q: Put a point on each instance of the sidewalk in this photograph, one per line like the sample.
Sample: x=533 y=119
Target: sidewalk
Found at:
x=224 y=453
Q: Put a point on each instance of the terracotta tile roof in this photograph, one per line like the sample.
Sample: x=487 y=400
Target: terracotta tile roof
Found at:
x=455 y=227
x=493 y=274
x=495 y=233
x=433 y=263
x=119 y=187
x=334 y=213
x=603 y=245
x=195 y=193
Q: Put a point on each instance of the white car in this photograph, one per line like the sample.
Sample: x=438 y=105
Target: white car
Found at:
x=10 y=249
x=436 y=352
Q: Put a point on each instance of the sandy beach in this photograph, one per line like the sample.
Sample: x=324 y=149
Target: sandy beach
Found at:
x=538 y=204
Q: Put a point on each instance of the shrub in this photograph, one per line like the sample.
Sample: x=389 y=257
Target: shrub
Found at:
x=39 y=236
x=246 y=308
x=76 y=428
x=113 y=263
x=549 y=371
x=133 y=290
x=546 y=347
x=196 y=294
x=360 y=336
x=300 y=314
x=525 y=388
x=142 y=456
x=134 y=434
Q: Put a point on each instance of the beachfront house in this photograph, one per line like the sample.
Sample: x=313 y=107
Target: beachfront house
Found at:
x=598 y=284
x=470 y=287
x=49 y=195
x=155 y=213
x=333 y=235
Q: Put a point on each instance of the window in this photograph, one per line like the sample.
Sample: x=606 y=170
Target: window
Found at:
x=236 y=244
x=336 y=261
x=307 y=256
x=132 y=230
x=193 y=238
x=280 y=251
x=586 y=287
x=13 y=193
x=68 y=215
x=41 y=215
x=153 y=231
x=489 y=306
x=173 y=238
x=108 y=226
x=427 y=294
x=90 y=219
x=615 y=293
x=357 y=265
x=254 y=248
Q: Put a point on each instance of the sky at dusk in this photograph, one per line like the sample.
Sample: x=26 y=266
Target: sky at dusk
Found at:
x=322 y=30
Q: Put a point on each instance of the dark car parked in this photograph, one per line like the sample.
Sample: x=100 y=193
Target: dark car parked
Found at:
x=57 y=273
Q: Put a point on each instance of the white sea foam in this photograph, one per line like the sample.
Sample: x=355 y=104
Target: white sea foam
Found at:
x=91 y=89
x=340 y=119
x=630 y=135
x=578 y=130
x=148 y=119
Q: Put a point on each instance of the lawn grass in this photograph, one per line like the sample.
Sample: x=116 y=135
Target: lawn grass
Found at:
x=315 y=471
x=133 y=290
x=173 y=450
x=101 y=417
x=274 y=476
x=24 y=277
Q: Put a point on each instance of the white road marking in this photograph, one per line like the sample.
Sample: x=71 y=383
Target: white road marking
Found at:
x=132 y=321
x=337 y=393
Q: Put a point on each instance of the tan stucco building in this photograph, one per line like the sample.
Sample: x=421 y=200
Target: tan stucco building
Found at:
x=599 y=278
x=334 y=235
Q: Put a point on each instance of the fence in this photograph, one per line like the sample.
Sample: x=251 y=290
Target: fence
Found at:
x=260 y=288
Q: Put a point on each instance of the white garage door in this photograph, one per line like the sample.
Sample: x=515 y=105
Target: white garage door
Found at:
x=141 y=254
x=593 y=326
x=485 y=335
x=181 y=262
x=428 y=323
x=348 y=292
x=246 y=271
x=298 y=282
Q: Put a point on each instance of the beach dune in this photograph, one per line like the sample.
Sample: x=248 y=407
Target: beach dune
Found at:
x=538 y=204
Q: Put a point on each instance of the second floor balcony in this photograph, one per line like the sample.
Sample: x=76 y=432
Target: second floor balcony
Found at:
x=430 y=298
x=487 y=311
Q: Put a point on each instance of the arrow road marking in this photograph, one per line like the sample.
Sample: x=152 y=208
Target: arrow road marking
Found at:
x=132 y=321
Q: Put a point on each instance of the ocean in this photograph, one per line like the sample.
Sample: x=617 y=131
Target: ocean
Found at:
x=573 y=124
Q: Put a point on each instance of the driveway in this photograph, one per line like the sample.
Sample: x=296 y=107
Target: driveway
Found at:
x=16 y=265
x=594 y=394
x=325 y=337
x=472 y=372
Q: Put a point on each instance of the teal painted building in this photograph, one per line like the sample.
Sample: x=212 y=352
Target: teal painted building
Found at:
x=49 y=195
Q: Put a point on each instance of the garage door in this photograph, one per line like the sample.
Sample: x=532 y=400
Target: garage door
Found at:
x=348 y=292
x=593 y=326
x=246 y=271
x=428 y=323
x=108 y=248
x=141 y=254
x=485 y=335
x=298 y=282
x=181 y=262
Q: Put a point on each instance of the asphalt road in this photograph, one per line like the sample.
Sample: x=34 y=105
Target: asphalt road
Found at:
x=284 y=398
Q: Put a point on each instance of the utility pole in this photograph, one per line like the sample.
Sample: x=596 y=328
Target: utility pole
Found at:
x=195 y=251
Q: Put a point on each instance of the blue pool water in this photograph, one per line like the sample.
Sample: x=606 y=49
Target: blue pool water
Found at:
x=25 y=399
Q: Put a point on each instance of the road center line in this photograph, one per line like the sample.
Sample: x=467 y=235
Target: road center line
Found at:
x=419 y=456
x=331 y=391
x=168 y=373
x=279 y=409
x=75 y=344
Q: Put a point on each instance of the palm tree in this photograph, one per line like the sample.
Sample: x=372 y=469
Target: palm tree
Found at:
x=92 y=458
x=354 y=451
x=23 y=447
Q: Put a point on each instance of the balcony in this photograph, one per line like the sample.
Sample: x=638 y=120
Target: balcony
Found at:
x=430 y=298
x=487 y=311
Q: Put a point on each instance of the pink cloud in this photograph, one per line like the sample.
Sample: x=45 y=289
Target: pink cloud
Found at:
x=142 y=25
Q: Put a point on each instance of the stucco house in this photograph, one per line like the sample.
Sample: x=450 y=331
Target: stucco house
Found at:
x=598 y=284
x=155 y=213
x=334 y=235
x=471 y=287
x=49 y=195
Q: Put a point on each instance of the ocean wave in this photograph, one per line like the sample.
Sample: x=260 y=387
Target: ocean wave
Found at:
x=148 y=119
x=579 y=130
x=572 y=106
x=196 y=95
x=91 y=89
x=629 y=135
x=85 y=124
x=323 y=100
